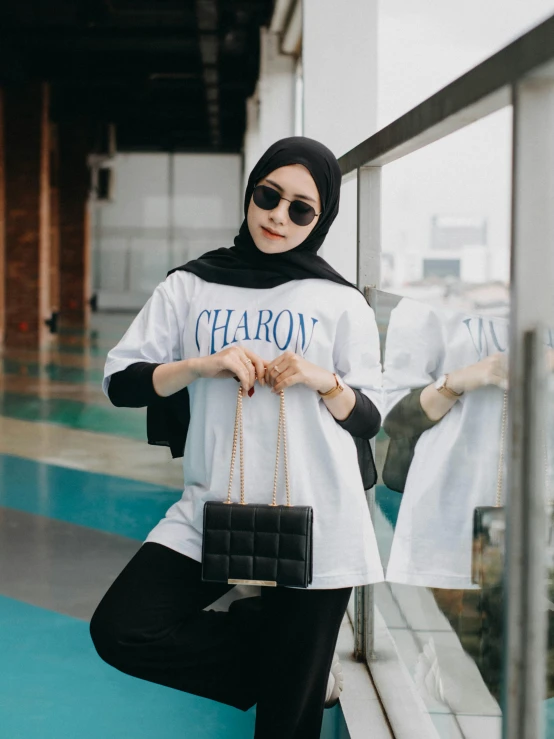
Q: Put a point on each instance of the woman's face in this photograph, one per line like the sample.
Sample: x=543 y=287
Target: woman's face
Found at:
x=273 y=231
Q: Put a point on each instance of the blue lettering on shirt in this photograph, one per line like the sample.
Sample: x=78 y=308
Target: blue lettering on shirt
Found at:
x=279 y=330
x=244 y=326
x=224 y=328
x=198 y=321
x=484 y=336
x=275 y=325
x=301 y=328
x=260 y=324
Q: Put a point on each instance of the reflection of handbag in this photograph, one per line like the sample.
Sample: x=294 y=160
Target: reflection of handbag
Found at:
x=489 y=525
x=254 y=543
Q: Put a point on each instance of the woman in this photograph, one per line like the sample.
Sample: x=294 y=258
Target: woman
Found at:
x=272 y=314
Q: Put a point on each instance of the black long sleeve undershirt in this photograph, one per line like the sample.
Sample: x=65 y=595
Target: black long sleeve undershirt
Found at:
x=364 y=420
x=133 y=388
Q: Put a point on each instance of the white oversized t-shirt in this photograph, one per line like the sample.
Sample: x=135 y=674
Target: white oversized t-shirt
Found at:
x=332 y=326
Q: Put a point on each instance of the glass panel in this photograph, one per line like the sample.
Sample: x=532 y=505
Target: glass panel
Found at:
x=440 y=532
x=438 y=506
x=446 y=220
x=549 y=518
x=459 y=34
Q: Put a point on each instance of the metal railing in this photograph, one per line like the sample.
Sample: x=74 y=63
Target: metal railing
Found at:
x=520 y=75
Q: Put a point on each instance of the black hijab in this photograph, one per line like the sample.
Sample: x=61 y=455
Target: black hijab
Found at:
x=244 y=265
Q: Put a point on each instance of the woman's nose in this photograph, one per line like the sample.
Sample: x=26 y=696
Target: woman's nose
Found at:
x=280 y=213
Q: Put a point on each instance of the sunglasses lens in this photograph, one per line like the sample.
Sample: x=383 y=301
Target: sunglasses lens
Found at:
x=301 y=213
x=266 y=198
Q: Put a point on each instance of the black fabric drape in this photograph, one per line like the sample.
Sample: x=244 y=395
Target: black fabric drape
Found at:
x=404 y=424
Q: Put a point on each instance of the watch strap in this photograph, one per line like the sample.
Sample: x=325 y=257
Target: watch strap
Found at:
x=447 y=391
x=334 y=391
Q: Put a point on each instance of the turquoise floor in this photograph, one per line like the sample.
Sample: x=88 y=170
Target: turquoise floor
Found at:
x=65 y=533
x=53 y=686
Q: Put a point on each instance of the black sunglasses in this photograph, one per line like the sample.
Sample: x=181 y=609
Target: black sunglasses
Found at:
x=267 y=198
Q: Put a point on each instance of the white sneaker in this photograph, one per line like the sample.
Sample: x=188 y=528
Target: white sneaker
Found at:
x=335 y=683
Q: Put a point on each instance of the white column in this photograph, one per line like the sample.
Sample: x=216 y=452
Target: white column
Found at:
x=251 y=137
x=270 y=111
x=277 y=87
x=2 y=223
x=339 y=55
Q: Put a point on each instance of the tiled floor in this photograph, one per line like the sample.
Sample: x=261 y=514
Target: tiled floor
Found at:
x=79 y=490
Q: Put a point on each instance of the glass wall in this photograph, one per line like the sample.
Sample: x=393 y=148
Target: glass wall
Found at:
x=549 y=521
x=438 y=507
x=462 y=627
x=446 y=220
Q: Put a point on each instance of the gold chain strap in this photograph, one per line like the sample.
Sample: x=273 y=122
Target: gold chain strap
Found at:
x=501 y=457
x=238 y=432
x=498 y=502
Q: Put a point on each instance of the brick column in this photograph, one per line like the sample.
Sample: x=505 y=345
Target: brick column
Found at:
x=74 y=180
x=54 y=220
x=2 y=227
x=27 y=255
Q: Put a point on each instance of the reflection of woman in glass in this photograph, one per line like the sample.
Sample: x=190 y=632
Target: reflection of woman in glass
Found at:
x=444 y=378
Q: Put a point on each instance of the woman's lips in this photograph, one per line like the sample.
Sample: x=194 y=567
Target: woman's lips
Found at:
x=269 y=235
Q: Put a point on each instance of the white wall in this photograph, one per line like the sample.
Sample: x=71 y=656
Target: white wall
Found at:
x=276 y=88
x=270 y=112
x=144 y=232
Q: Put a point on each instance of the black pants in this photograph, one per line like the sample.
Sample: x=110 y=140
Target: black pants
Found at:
x=274 y=651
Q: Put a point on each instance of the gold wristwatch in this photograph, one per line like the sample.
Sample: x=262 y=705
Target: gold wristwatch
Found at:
x=339 y=387
x=440 y=386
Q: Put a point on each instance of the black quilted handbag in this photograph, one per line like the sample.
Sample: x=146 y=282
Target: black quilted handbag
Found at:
x=253 y=543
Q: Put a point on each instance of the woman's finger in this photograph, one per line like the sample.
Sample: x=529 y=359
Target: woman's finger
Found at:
x=267 y=374
x=259 y=366
x=245 y=360
x=274 y=370
x=242 y=372
x=286 y=373
x=292 y=378
x=251 y=369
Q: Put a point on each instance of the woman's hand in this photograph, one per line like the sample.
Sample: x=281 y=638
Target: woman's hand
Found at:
x=233 y=362
x=492 y=370
x=291 y=369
